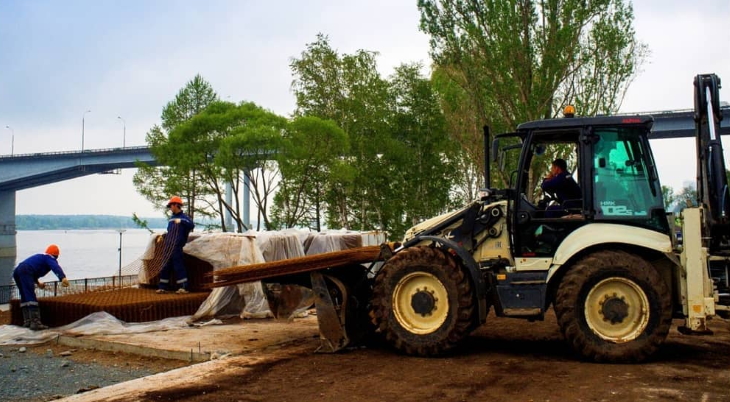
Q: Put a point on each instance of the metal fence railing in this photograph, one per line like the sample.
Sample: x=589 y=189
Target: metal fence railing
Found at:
x=76 y=286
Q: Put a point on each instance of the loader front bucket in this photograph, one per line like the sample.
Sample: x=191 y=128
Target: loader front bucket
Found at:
x=330 y=316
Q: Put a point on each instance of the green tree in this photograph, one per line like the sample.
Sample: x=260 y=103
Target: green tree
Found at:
x=464 y=129
x=158 y=183
x=687 y=197
x=421 y=157
x=523 y=60
x=313 y=155
x=349 y=91
x=251 y=148
x=668 y=196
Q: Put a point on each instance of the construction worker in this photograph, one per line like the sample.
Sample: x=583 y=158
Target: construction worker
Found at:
x=27 y=275
x=178 y=228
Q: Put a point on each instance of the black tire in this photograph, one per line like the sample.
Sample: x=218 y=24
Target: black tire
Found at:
x=613 y=306
x=423 y=302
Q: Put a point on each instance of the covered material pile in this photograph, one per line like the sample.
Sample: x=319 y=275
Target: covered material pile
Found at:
x=245 y=296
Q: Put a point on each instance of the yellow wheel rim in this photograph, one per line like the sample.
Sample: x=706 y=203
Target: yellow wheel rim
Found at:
x=420 y=303
x=617 y=310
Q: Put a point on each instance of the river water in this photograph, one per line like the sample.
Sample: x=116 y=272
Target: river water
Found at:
x=85 y=253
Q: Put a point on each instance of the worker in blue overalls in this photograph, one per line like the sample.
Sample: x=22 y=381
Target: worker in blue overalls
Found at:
x=27 y=275
x=178 y=228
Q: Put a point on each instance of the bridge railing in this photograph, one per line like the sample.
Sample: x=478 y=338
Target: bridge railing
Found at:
x=76 y=286
x=86 y=151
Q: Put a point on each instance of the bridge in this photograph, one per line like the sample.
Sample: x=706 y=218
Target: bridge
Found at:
x=23 y=171
x=20 y=172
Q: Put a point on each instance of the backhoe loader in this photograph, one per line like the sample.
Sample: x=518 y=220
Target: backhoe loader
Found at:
x=608 y=263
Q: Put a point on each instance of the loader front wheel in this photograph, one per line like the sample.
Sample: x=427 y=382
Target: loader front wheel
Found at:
x=422 y=301
x=613 y=306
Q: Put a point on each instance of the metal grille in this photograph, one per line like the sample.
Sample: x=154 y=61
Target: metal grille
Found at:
x=76 y=286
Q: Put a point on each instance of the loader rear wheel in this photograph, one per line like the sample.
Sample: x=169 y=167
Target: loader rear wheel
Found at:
x=423 y=302
x=613 y=306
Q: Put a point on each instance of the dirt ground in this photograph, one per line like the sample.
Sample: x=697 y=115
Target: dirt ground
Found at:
x=505 y=360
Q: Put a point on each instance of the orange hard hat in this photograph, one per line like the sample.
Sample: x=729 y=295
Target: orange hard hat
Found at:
x=174 y=200
x=53 y=250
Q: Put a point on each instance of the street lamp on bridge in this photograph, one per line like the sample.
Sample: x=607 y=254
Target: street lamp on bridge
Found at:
x=82 y=129
x=12 y=139
x=124 y=138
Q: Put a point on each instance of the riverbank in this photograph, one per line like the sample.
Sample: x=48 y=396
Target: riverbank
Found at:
x=84 y=222
x=87 y=253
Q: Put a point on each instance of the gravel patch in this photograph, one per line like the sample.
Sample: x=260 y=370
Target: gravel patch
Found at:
x=44 y=372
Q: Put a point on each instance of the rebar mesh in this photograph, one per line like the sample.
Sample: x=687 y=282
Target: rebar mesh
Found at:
x=128 y=305
x=255 y=272
x=61 y=306
x=149 y=266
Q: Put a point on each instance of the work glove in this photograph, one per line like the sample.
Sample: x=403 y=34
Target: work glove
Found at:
x=41 y=285
x=64 y=282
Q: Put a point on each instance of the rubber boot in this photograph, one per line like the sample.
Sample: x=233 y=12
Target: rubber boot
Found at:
x=26 y=317
x=35 y=319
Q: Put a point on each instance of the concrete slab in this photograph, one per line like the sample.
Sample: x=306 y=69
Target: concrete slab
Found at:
x=236 y=337
x=201 y=373
x=236 y=347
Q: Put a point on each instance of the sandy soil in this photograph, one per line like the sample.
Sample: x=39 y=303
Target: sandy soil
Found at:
x=506 y=360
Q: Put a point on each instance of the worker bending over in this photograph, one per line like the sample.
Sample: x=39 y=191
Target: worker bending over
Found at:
x=27 y=275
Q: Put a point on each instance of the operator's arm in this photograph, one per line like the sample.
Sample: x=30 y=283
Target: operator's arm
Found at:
x=553 y=183
x=186 y=222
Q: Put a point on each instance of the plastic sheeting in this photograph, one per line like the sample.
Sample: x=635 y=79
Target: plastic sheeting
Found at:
x=337 y=240
x=282 y=245
x=223 y=250
x=148 y=255
x=271 y=246
x=99 y=323
x=318 y=243
x=248 y=300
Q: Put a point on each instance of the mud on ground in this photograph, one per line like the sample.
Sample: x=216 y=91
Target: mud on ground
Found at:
x=506 y=360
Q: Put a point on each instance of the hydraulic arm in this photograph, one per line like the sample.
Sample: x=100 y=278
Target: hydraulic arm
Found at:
x=712 y=187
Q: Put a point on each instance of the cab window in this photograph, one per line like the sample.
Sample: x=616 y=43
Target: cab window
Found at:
x=622 y=184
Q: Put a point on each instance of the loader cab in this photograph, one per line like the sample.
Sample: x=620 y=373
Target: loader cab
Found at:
x=610 y=160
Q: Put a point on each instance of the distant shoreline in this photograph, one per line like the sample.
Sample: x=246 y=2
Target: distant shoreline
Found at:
x=83 y=222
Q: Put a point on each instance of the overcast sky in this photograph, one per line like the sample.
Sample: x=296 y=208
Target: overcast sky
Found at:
x=61 y=58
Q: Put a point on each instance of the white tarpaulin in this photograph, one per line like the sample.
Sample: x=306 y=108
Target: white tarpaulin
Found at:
x=99 y=323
